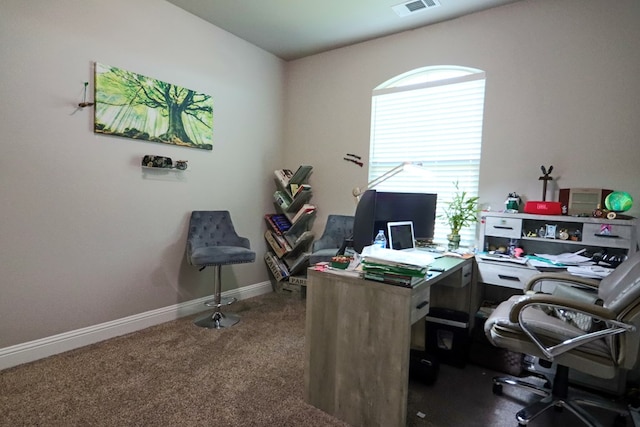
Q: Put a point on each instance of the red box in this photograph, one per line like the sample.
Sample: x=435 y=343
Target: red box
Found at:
x=543 y=208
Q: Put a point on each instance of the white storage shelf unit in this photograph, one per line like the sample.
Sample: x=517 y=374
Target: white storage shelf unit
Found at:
x=497 y=229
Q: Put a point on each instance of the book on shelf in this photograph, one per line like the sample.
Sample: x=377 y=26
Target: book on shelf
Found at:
x=283 y=176
x=282 y=199
x=302 y=239
x=276 y=266
x=297 y=189
x=300 y=175
x=276 y=246
x=278 y=222
x=305 y=209
x=298 y=264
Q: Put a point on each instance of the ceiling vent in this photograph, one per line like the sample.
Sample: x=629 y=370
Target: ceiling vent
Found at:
x=414 y=6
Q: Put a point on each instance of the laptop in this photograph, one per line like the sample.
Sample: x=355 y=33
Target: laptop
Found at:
x=401 y=236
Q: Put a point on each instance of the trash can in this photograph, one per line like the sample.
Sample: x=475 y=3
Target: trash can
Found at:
x=423 y=367
x=447 y=335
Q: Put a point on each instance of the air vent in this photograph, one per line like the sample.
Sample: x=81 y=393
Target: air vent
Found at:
x=414 y=6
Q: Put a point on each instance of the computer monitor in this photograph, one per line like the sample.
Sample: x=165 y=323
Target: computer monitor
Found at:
x=376 y=209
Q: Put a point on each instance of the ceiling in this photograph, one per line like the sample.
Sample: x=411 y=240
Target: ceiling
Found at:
x=293 y=29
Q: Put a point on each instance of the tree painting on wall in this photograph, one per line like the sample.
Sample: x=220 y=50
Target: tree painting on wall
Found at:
x=134 y=106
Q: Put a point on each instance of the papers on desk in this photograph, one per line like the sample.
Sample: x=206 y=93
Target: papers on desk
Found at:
x=391 y=256
x=398 y=268
x=502 y=258
x=566 y=259
x=590 y=271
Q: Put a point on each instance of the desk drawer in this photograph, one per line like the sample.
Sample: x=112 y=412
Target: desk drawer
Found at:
x=615 y=236
x=508 y=276
x=503 y=227
x=420 y=302
x=467 y=273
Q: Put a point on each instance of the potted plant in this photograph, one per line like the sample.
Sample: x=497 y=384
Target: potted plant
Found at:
x=460 y=212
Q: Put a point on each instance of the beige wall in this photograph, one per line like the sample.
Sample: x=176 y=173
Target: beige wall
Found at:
x=562 y=89
x=85 y=237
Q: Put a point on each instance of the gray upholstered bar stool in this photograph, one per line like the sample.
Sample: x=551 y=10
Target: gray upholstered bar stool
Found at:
x=212 y=241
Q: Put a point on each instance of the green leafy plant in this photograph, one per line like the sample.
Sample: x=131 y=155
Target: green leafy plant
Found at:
x=461 y=211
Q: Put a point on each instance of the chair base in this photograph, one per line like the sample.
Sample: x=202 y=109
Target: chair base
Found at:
x=223 y=301
x=557 y=398
x=217 y=320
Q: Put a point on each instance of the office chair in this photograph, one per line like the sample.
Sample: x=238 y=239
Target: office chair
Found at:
x=212 y=241
x=337 y=229
x=595 y=334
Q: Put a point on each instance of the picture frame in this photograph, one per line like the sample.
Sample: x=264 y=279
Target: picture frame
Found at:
x=550 y=231
x=131 y=105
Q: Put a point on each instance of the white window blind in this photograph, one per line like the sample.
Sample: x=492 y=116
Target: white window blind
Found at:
x=436 y=122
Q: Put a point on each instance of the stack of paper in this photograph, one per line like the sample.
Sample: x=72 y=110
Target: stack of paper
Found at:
x=395 y=267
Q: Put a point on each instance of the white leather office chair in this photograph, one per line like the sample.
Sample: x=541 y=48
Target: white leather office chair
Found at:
x=552 y=328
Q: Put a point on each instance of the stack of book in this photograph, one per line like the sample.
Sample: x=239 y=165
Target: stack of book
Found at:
x=279 y=223
x=389 y=271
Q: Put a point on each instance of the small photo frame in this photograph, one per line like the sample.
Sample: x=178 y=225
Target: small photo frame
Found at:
x=550 y=231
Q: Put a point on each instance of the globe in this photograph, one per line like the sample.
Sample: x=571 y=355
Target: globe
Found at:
x=618 y=201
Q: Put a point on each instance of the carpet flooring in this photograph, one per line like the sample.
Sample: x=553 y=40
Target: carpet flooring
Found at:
x=177 y=374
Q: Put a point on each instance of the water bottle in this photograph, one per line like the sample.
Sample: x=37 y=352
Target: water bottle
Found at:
x=380 y=240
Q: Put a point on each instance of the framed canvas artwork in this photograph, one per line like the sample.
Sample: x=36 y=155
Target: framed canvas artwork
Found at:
x=135 y=106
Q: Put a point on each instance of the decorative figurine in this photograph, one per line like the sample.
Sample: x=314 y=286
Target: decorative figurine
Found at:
x=545 y=177
x=512 y=203
x=563 y=234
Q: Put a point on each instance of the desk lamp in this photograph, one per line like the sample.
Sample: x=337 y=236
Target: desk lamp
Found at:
x=406 y=166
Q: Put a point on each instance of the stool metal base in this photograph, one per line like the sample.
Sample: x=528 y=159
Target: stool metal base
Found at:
x=223 y=301
x=217 y=320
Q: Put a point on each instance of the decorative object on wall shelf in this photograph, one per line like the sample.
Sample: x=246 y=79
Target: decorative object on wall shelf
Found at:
x=157 y=162
x=164 y=163
x=135 y=106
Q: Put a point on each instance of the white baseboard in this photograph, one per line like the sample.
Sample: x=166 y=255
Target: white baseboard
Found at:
x=38 y=349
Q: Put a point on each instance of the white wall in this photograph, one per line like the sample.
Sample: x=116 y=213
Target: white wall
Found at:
x=562 y=89
x=85 y=236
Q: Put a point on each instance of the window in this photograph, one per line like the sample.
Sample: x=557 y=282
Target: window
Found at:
x=433 y=116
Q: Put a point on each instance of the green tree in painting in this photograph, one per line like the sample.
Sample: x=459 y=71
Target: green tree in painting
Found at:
x=135 y=106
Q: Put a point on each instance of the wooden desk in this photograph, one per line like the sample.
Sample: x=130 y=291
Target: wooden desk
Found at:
x=358 y=337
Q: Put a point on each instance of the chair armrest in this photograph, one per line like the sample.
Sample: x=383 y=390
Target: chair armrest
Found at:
x=244 y=242
x=575 y=337
x=561 y=278
x=593 y=310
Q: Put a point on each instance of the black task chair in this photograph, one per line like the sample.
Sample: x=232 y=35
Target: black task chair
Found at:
x=337 y=229
x=596 y=334
x=212 y=241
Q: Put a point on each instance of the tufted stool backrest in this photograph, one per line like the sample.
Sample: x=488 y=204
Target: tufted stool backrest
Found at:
x=213 y=228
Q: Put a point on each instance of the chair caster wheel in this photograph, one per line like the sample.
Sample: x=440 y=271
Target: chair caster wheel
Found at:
x=497 y=389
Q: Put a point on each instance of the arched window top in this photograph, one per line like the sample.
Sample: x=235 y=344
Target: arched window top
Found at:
x=428 y=74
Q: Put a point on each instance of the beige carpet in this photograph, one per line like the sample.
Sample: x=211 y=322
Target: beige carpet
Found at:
x=175 y=374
